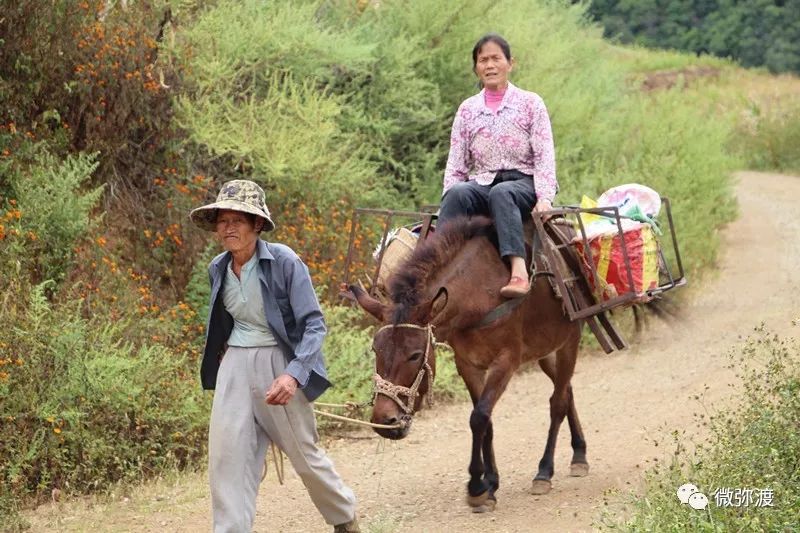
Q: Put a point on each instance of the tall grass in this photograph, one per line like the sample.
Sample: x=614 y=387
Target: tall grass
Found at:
x=768 y=132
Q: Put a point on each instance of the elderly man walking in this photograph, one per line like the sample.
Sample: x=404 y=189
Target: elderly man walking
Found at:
x=263 y=342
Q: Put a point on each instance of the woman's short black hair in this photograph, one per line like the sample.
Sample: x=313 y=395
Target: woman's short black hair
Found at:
x=491 y=38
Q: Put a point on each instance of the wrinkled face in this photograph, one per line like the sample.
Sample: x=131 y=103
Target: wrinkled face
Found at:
x=236 y=230
x=399 y=357
x=492 y=66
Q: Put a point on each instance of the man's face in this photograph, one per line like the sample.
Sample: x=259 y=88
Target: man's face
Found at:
x=236 y=230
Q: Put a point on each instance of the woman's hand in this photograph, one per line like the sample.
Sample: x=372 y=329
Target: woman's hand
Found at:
x=281 y=390
x=541 y=206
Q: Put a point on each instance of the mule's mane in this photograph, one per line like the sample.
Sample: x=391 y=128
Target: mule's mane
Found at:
x=407 y=286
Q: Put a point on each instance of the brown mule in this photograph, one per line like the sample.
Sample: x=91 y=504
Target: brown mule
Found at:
x=448 y=287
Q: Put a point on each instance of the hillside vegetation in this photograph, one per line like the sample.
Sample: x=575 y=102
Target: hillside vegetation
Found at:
x=116 y=119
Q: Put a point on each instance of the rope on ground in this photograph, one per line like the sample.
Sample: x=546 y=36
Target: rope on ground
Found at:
x=277 y=457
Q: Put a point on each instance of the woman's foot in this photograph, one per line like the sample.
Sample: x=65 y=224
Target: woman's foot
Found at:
x=517 y=287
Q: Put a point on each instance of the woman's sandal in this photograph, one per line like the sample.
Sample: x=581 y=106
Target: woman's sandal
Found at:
x=516 y=288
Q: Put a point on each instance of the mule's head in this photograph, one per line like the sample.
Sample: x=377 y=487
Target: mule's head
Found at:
x=405 y=363
x=405 y=366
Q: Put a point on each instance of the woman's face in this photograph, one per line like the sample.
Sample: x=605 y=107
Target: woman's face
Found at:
x=236 y=231
x=492 y=67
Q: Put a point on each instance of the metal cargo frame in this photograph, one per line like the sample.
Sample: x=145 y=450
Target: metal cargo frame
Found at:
x=581 y=310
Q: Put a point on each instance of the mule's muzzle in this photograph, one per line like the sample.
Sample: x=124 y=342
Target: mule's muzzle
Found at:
x=404 y=427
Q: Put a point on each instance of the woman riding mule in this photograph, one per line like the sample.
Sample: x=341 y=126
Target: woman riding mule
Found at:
x=451 y=287
x=502 y=159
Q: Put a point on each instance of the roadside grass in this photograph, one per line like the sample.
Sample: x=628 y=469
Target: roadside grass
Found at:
x=753 y=446
x=123 y=506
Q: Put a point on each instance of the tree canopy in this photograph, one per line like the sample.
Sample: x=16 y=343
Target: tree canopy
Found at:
x=753 y=32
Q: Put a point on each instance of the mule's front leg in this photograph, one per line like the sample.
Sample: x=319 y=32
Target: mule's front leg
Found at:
x=484 y=478
x=478 y=487
x=490 y=474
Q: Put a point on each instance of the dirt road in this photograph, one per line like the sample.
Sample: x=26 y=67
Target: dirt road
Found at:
x=624 y=400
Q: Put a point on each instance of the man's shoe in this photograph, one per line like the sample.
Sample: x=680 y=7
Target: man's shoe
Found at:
x=516 y=288
x=348 y=527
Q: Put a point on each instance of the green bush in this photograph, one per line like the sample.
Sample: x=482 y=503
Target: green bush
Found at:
x=97 y=384
x=261 y=99
x=51 y=211
x=82 y=406
x=754 y=444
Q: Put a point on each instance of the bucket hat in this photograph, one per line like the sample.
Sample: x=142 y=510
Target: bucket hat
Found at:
x=236 y=195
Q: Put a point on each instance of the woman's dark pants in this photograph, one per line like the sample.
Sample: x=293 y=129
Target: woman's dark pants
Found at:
x=508 y=200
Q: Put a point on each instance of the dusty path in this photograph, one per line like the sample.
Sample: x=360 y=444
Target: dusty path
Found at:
x=419 y=484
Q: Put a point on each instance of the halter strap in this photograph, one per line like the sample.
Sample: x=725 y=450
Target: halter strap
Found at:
x=390 y=390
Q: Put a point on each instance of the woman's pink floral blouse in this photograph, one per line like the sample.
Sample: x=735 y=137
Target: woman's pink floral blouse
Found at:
x=517 y=137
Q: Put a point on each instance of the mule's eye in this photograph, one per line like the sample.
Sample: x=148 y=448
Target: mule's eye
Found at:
x=415 y=356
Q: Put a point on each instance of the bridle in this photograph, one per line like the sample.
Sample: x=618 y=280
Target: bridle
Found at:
x=390 y=390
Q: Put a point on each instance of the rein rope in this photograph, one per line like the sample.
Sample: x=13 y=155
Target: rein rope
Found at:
x=382 y=386
x=390 y=390
x=353 y=406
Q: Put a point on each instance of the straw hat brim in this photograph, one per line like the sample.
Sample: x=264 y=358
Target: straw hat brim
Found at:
x=205 y=217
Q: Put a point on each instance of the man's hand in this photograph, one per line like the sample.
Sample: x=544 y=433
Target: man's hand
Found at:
x=281 y=390
x=543 y=205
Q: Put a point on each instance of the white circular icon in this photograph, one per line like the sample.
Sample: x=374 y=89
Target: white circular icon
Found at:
x=698 y=501
x=685 y=491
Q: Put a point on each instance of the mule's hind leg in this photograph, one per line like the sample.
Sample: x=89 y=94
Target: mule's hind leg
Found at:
x=579 y=466
x=560 y=370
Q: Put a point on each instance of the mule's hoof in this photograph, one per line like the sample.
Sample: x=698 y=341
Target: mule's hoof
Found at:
x=541 y=486
x=579 y=469
x=487 y=507
x=478 y=501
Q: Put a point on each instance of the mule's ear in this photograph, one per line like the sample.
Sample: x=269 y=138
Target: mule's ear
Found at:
x=438 y=304
x=345 y=292
x=368 y=303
